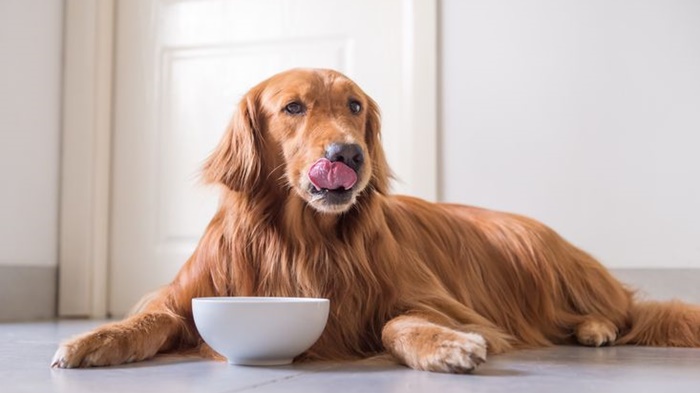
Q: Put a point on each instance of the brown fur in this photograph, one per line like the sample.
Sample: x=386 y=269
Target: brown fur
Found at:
x=432 y=284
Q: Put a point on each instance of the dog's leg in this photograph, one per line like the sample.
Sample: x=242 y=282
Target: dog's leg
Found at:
x=596 y=331
x=421 y=342
x=136 y=338
x=164 y=323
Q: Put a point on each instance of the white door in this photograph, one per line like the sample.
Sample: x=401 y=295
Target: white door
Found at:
x=180 y=68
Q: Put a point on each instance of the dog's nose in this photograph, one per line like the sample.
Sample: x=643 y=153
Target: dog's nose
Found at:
x=349 y=154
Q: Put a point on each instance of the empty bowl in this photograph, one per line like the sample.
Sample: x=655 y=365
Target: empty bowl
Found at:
x=260 y=331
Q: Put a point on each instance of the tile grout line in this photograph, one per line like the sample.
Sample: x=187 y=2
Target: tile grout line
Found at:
x=254 y=387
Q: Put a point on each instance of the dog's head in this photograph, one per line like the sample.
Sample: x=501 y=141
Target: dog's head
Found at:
x=314 y=132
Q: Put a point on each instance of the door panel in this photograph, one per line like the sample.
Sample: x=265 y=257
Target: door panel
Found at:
x=181 y=66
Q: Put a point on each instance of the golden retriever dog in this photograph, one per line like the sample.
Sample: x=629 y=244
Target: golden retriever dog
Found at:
x=306 y=212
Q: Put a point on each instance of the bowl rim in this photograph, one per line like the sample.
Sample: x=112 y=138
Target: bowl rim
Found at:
x=258 y=299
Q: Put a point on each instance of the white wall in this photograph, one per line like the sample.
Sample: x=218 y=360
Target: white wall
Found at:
x=583 y=114
x=30 y=80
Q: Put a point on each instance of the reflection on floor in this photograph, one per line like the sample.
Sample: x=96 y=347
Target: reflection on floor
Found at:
x=26 y=350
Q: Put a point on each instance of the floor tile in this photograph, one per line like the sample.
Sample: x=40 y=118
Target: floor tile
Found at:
x=26 y=350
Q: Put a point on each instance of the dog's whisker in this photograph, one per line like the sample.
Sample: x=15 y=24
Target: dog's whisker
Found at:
x=274 y=170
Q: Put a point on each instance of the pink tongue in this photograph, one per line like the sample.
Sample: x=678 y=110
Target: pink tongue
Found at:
x=332 y=175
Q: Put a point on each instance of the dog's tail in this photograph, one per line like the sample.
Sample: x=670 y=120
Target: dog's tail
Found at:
x=663 y=324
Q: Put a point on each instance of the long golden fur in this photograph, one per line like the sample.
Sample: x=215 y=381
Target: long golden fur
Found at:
x=434 y=285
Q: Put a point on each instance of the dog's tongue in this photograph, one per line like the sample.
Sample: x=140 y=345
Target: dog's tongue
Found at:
x=332 y=175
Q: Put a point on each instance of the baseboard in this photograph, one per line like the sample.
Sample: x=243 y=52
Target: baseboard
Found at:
x=663 y=284
x=27 y=293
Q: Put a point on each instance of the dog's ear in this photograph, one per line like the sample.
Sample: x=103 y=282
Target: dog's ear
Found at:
x=381 y=173
x=237 y=160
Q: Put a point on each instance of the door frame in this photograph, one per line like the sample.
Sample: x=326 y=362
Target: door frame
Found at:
x=87 y=137
x=85 y=158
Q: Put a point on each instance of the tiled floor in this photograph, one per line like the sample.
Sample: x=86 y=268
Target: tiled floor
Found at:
x=26 y=350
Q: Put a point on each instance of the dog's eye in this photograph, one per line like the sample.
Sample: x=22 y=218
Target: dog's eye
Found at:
x=355 y=106
x=294 y=108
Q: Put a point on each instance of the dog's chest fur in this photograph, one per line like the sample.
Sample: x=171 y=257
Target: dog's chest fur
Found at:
x=335 y=262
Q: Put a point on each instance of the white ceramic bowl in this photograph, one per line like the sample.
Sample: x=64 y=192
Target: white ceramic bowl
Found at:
x=260 y=331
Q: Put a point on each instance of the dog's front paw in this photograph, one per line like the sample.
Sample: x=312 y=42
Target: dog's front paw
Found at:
x=423 y=345
x=67 y=356
x=106 y=348
x=453 y=352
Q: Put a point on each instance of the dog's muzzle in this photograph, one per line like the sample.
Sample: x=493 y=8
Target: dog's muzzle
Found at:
x=328 y=175
x=334 y=176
